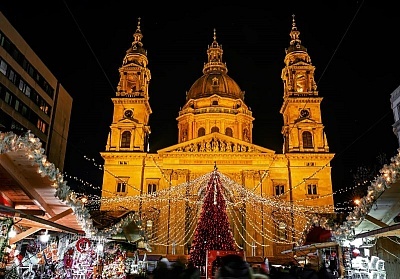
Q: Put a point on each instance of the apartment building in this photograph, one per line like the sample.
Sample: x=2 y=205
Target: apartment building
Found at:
x=31 y=97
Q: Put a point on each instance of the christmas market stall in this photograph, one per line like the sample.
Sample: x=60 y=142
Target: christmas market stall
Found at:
x=45 y=229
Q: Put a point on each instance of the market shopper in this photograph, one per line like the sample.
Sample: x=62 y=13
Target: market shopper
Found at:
x=308 y=273
x=190 y=272
x=162 y=270
x=325 y=273
x=234 y=266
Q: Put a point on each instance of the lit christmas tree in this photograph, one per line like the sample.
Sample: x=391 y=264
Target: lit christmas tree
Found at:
x=213 y=231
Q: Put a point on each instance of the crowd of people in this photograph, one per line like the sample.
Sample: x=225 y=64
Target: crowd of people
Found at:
x=234 y=266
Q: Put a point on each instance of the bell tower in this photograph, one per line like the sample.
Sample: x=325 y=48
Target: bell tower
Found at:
x=302 y=130
x=129 y=128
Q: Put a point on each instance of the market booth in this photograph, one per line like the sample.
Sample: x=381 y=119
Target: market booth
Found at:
x=45 y=229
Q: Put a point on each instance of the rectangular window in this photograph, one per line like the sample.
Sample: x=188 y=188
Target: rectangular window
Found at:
x=279 y=190
x=16 y=105
x=27 y=91
x=21 y=85
x=121 y=187
x=24 y=111
x=312 y=189
x=152 y=185
x=151 y=188
x=3 y=67
x=41 y=125
x=8 y=98
x=12 y=76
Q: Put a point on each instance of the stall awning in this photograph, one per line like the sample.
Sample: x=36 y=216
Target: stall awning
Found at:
x=312 y=246
x=393 y=230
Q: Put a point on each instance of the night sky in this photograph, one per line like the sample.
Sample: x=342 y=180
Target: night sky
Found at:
x=352 y=44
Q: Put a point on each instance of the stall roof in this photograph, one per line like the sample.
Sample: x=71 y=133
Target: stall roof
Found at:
x=379 y=220
x=311 y=246
x=31 y=198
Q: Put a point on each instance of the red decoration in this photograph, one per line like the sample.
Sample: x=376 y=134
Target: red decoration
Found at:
x=356 y=252
x=318 y=234
x=83 y=245
x=213 y=231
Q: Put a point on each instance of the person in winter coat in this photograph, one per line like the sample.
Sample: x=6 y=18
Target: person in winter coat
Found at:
x=325 y=273
x=190 y=272
x=308 y=273
x=234 y=266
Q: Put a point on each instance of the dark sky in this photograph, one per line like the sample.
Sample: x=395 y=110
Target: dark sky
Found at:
x=352 y=44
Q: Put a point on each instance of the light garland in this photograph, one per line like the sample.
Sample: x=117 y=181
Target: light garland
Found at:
x=32 y=145
x=10 y=142
x=389 y=175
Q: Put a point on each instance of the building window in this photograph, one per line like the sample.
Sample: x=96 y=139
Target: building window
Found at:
x=184 y=135
x=215 y=103
x=215 y=81
x=279 y=190
x=201 y=132
x=12 y=76
x=312 y=188
x=307 y=140
x=8 y=98
x=152 y=185
x=41 y=125
x=126 y=139
x=16 y=105
x=151 y=188
x=3 y=67
x=229 y=132
x=121 y=187
x=214 y=129
x=122 y=183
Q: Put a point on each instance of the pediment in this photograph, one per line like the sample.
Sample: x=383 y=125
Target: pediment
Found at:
x=215 y=142
x=128 y=121
x=304 y=120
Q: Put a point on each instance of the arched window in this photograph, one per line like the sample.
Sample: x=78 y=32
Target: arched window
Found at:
x=229 y=132
x=214 y=129
x=307 y=140
x=126 y=139
x=201 y=132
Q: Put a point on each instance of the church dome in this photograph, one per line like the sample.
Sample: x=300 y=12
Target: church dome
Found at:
x=215 y=80
x=215 y=83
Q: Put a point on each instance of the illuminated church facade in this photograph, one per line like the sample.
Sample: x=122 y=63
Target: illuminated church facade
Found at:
x=271 y=196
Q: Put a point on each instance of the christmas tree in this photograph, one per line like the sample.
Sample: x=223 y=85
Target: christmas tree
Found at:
x=213 y=231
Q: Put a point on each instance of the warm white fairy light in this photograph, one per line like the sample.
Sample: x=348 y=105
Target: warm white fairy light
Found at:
x=34 y=151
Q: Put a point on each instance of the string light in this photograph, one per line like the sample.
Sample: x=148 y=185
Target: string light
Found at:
x=34 y=151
